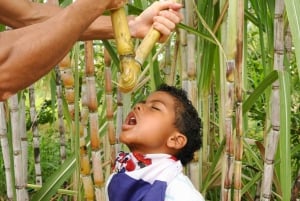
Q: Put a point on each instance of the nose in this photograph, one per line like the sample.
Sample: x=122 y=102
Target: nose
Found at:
x=138 y=106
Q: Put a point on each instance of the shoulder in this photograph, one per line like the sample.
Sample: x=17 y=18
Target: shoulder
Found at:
x=181 y=188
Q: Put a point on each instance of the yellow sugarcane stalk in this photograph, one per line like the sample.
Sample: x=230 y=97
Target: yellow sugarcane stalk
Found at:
x=130 y=69
x=131 y=61
x=146 y=45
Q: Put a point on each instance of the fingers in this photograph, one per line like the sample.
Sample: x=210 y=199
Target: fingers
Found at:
x=165 y=5
x=166 y=22
x=162 y=15
x=171 y=15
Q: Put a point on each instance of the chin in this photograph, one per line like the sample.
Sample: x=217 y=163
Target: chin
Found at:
x=123 y=139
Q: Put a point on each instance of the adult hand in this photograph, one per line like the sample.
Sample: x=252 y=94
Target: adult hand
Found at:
x=163 y=15
x=114 y=4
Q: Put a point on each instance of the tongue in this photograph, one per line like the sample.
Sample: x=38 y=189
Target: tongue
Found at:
x=132 y=121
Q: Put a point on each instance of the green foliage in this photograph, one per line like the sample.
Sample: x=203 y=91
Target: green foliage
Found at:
x=45 y=115
x=258 y=79
x=2 y=27
x=56 y=180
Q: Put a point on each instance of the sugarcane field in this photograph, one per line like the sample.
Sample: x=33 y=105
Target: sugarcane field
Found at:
x=238 y=62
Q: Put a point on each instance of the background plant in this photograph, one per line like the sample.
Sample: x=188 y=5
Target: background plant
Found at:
x=204 y=36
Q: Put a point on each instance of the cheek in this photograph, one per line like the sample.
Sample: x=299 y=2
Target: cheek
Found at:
x=159 y=128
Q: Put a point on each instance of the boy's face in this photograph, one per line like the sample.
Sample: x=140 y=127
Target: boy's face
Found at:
x=150 y=124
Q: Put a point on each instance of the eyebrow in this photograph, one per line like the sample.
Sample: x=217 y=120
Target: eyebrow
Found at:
x=157 y=101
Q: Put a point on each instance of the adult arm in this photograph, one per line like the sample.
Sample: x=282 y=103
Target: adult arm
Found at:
x=28 y=53
x=46 y=35
x=162 y=15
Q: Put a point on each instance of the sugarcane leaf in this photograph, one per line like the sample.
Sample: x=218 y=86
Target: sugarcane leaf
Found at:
x=284 y=142
x=111 y=52
x=251 y=183
x=2 y=27
x=56 y=180
x=65 y=3
x=217 y=157
x=269 y=79
x=197 y=33
x=253 y=155
x=135 y=9
x=293 y=10
x=295 y=151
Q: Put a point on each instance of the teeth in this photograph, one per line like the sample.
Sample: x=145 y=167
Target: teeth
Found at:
x=132 y=121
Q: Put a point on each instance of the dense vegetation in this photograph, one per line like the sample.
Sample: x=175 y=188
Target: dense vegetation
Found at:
x=199 y=64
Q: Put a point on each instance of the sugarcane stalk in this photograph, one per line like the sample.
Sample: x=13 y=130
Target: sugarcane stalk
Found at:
x=5 y=153
x=146 y=45
x=130 y=69
x=119 y=118
x=23 y=134
x=20 y=185
x=85 y=167
x=68 y=82
x=131 y=61
x=67 y=77
x=112 y=138
x=92 y=104
x=230 y=64
x=239 y=104
x=273 y=134
x=61 y=125
x=192 y=92
x=36 y=141
x=229 y=150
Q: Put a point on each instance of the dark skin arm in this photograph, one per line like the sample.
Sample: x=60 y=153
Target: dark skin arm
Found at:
x=24 y=52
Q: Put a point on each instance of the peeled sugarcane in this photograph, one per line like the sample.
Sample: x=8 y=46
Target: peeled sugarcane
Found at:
x=93 y=119
x=130 y=62
x=130 y=69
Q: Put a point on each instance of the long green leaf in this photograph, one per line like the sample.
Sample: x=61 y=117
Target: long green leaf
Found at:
x=211 y=170
x=284 y=142
x=111 y=52
x=293 y=10
x=56 y=180
x=259 y=91
x=250 y=184
x=197 y=33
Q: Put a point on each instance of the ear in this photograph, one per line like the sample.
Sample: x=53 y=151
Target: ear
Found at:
x=177 y=141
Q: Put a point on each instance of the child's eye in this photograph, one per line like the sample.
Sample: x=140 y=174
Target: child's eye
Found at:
x=155 y=108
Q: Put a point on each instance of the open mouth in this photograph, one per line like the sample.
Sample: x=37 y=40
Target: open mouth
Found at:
x=131 y=119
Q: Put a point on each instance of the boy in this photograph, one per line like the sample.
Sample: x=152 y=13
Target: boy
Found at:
x=162 y=134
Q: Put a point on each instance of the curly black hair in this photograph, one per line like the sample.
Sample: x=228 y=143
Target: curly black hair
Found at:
x=187 y=121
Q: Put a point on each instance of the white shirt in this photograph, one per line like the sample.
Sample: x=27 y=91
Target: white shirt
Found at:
x=182 y=189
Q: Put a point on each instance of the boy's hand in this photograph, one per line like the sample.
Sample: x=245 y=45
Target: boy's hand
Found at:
x=163 y=15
